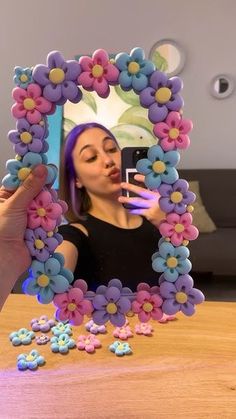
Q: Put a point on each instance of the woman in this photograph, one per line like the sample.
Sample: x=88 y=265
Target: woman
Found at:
x=103 y=240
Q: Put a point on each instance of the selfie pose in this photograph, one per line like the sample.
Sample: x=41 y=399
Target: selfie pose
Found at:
x=103 y=239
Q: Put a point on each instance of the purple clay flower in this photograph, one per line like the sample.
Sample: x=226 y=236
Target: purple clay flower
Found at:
x=42 y=339
x=110 y=305
x=95 y=328
x=180 y=296
x=176 y=197
x=58 y=79
x=28 y=137
x=41 y=244
x=161 y=96
x=43 y=324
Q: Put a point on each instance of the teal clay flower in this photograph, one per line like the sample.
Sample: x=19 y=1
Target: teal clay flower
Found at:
x=159 y=167
x=21 y=337
x=61 y=328
x=120 y=348
x=172 y=261
x=62 y=343
x=30 y=361
x=134 y=70
x=22 y=77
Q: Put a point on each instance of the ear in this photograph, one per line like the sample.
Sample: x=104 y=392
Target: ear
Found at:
x=78 y=184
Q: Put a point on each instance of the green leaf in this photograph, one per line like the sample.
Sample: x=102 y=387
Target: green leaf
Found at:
x=133 y=136
x=129 y=97
x=160 y=62
x=89 y=100
x=136 y=115
x=68 y=125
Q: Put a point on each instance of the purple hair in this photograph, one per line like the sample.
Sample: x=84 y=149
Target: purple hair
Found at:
x=70 y=143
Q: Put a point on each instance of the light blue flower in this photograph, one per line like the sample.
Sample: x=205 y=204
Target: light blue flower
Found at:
x=134 y=70
x=120 y=348
x=21 y=337
x=62 y=343
x=23 y=77
x=48 y=278
x=172 y=261
x=159 y=167
x=30 y=361
x=20 y=169
x=61 y=328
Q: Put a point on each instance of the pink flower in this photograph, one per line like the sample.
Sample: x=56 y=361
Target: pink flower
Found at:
x=30 y=104
x=43 y=212
x=143 y=286
x=72 y=306
x=147 y=306
x=166 y=318
x=173 y=132
x=88 y=343
x=98 y=73
x=178 y=228
x=122 y=332
x=143 y=329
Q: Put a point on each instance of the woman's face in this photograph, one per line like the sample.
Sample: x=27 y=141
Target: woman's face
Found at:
x=97 y=160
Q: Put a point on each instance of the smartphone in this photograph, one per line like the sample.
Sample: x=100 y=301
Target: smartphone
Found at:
x=129 y=159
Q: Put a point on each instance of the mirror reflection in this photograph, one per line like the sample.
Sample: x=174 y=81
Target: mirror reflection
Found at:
x=168 y=56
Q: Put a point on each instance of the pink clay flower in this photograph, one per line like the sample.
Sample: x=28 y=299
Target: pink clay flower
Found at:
x=178 y=228
x=97 y=73
x=147 y=306
x=88 y=343
x=72 y=306
x=173 y=132
x=143 y=329
x=30 y=104
x=123 y=332
x=43 y=212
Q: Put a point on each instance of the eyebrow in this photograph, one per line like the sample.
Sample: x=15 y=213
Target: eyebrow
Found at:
x=91 y=145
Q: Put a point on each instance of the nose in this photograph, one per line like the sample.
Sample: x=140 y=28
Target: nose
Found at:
x=108 y=161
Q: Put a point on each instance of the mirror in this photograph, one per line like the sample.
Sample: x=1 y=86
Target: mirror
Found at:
x=167 y=56
x=222 y=86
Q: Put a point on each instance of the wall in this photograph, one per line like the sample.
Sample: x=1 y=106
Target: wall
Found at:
x=206 y=29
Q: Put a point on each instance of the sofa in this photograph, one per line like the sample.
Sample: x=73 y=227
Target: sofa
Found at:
x=214 y=251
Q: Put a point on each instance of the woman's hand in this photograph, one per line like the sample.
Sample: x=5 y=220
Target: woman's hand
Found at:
x=146 y=203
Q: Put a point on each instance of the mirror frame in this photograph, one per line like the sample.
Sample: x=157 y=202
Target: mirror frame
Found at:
x=175 y=44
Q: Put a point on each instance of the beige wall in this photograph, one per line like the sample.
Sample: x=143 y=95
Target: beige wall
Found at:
x=205 y=28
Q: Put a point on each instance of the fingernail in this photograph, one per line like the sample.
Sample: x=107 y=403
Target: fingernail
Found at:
x=40 y=171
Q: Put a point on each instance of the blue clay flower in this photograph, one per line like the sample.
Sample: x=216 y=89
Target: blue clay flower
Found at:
x=134 y=70
x=159 y=167
x=30 y=361
x=62 y=343
x=21 y=337
x=62 y=328
x=120 y=348
x=172 y=261
x=48 y=279
x=23 y=77
x=20 y=169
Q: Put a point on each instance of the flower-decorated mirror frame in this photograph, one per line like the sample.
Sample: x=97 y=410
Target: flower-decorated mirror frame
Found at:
x=39 y=90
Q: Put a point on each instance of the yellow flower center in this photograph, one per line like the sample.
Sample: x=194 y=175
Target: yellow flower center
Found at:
x=56 y=75
x=185 y=242
x=50 y=233
x=181 y=297
x=163 y=95
x=29 y=358
x=111 y=308
x=41 y=212
x=41 y=321
x=26 y=137
x=43 y=280
x=97 y=70
x=120 y=347
x=173 y=133
x=190 y=208
x=179 y=228
x=133 y=67
x=29 y=104
x=23 y=173
x=130 y=313
x=22 y=336
x=176 y=197
x=87 y=341
x=147 y=307
x=39 y=244
x=71 y=306
x=159 y=167
x=172 y=262
x=18 y=157
x=23 y=78
x=61 y=342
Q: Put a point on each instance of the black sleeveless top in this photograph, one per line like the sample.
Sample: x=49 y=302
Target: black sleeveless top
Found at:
x=113 y=252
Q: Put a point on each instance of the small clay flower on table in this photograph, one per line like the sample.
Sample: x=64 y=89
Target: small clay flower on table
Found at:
x=21 y=337
x=120 y=348
x=88 y=343
x=123 y=332
x=62 y=343
x=43 y=324
x=30 y=361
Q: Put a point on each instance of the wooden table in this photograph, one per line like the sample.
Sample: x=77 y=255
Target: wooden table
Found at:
x=186 y=370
